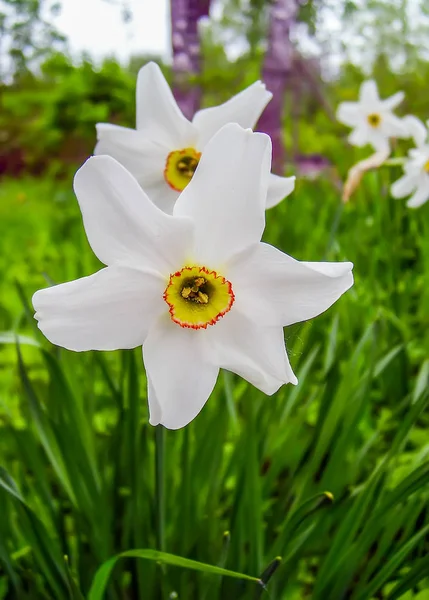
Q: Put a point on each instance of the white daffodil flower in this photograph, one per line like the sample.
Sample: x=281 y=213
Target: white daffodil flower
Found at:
x=164 y=150
x=198 y=290
x=415 y=181
x=372 y=119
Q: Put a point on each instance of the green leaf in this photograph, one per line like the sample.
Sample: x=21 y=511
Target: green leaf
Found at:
x=101 y=578
x=10 y=337
x=391 y=565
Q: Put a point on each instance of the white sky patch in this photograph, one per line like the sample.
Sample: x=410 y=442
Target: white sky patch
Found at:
x=97 y=28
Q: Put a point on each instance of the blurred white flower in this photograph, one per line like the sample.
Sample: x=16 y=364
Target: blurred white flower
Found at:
x=372 y=119
x=415 y=181
x=164 y=150
x=198 y=290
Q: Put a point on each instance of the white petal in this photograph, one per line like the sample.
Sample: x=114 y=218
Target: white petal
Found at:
x=109 y=131
x=162 y=195
x=349 y=113
x=379 y=141
x=155 y=413
x=404 y=186
x=128 y=157
x=393 y=101
x=158 y=115
x=368 y=94
x=111 y=309
x=273 y=288
x=415 y=129
x=279 y=188
x=421 y=195
x=122 y=224
x=245 y=109
x=181 y=376
x=393 y=126
x=143 y=158
x=227 y=194
x=146 y=162
x=256 y=353
x=359 y=137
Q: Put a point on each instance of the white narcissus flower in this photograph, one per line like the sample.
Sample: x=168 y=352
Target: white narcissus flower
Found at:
x=198 y=290
x=415 y=181
x=164 y=150
x=372 y=119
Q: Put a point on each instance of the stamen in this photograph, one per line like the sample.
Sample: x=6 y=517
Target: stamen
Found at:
x=193 y=293
x=187 y=166
x=426 y=167
x=374 y=119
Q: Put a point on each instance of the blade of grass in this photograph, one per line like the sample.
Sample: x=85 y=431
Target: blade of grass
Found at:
x=102 y=576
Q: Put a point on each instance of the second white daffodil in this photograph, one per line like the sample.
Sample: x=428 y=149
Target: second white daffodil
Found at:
x=372 y=119
x=198 y=290
x=164 y=150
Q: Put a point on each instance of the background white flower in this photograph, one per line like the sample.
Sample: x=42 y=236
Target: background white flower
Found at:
x=372 y=119
x=198 y=289
x=164 y=150
x=415 y=181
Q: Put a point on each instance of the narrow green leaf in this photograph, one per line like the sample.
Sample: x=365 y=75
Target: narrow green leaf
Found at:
x=390 y=567
x=419 y=571
x=10 y=337
x=44 y=430
x=102 y=576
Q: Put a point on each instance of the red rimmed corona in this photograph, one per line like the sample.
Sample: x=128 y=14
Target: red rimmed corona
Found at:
x=180 y=167
x=198 y=297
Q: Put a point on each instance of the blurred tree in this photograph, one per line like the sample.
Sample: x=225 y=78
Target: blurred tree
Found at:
x=125 y=8
x=26 y=34
x=340 y=31
x=359 y=31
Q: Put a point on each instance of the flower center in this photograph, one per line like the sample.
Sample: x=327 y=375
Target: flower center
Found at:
x=198 y=297
x=374 y=119
x=180 y=167
x=426 y=167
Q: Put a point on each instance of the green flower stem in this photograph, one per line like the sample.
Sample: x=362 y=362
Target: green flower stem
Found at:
x=394 y=162
x=160 y=486
x=334 y=229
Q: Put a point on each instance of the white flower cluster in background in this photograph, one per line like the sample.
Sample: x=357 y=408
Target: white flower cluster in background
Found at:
x=374 y=123
x=372 y=119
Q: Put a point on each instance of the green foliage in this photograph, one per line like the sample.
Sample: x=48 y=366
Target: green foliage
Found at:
x=320 y=491
x=332 y=475
x=50 y=120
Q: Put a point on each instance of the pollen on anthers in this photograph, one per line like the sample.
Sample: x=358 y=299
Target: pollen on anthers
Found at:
x=198 y=297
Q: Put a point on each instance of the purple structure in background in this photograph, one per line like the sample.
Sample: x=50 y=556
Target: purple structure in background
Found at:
x=276 y=70
x=311 y=165
x=185 y=15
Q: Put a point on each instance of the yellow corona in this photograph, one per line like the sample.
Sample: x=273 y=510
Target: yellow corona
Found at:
x=198 y=297
x=180 y=167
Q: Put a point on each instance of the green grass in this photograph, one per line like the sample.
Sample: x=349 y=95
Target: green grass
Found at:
x=332 y=475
